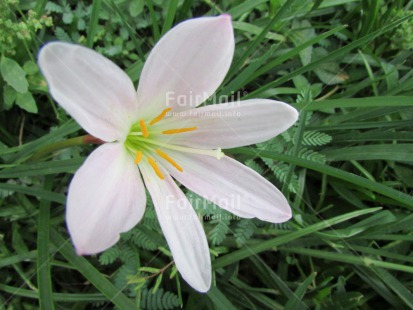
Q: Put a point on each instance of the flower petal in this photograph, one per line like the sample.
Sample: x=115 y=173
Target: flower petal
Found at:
x=231 y=124
x=91 y=88
x=232 y=186
x=187 y=65
x=182 y=229
x=106 y=197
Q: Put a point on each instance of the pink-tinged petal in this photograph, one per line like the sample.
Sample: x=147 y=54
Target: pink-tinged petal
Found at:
x=232 y=186
x=181 y=227
x=231 y=124
x=106 y=197
x=91 y=88
x=187 y=65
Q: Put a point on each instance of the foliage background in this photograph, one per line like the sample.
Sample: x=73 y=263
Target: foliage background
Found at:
x=346 y=166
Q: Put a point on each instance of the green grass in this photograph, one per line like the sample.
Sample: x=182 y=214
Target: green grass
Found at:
x=346 y=166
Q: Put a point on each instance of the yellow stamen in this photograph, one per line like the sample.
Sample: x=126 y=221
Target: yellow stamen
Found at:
x=180 y=130
x=138 y=157
x=144 y=129
x=160 y=116
x=169 y=160
x=155 y=167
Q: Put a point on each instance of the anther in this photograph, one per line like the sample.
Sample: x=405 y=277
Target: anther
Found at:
x=160 y=116
x=155 y=168
x=169 y=160
x=138 y=157
x=180 y=130
x=144 y=129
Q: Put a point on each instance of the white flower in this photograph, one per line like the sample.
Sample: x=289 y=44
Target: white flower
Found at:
x=153 y=130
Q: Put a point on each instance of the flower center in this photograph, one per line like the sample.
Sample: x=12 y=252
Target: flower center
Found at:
x=144 y=143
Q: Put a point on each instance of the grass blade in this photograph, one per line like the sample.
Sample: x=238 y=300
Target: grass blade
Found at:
x=332 y=56
x=349 y=259
x=42 y=168
x=33 y=191
x=270 y=244
x=219 y=299
x=94 y=19
x=369 y=102
x=299 y=293
x=170 y=16
x=155 y=27
x=394 y=152
x=43 y=258
x=91 y=273
x=403 y=198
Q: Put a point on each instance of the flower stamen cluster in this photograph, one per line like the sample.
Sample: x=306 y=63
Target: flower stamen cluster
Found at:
x=142 y=143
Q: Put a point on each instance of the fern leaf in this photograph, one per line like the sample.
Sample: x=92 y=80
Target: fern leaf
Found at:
x=142 y=240
x=281 y=226
x=254 y=166
x=315 y=138
x=123 y=275
x=276 y=144
x=280 y=171
x=129 y=255
x=158 y=300
x=62 y=35
x=150 y=220
x=203 y=206
x=109 y=256
x=219 y=232
x=308 y=154
x=244 y=230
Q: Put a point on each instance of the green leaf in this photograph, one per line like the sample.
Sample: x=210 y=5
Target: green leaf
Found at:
x=9 y=96
x=149 y=269
x=14 y=75
x=67 y=17
x=157 y=283
x=30 y=67
x=27 y=102
x=136 y=7
x=302 y=31
x=173 y=272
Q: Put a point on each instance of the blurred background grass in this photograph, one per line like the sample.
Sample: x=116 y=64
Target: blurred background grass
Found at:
x=346 y=166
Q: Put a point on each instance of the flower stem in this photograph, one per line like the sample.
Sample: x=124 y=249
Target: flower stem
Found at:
x=86 y=139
